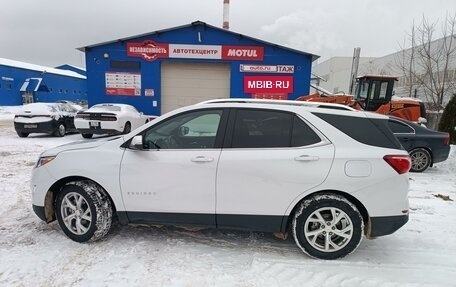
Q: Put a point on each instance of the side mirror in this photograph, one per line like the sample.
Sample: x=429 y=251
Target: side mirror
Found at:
x=136 y=142
x=183 y=130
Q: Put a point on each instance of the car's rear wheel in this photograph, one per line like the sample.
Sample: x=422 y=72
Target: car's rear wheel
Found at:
x=61 y=130
x=421 y=160
x=84 y=211
x=22 y=135
x=327 y=226
x=127 y=128
x=87 y=136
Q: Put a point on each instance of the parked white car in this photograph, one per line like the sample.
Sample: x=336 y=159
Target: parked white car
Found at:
x=326 y=175
x=109 y=119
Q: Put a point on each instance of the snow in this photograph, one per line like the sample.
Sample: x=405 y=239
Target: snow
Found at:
x=33 y=253
x=23 y=65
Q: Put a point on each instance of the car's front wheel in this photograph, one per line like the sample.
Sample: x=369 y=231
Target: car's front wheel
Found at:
x=84 y=211
x=421 y=160
x=327 y=226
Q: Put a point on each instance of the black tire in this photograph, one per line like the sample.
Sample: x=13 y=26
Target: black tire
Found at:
x=87 y=136
x=421 y=160
x=22 y=134
x=89 y=221
x=127 y=128
x=61 y=130
x=314 y=235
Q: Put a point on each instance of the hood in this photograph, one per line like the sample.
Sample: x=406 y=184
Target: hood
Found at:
x=85 y=144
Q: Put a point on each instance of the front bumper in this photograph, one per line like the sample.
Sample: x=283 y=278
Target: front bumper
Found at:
x=385 y=225
x=39 y=211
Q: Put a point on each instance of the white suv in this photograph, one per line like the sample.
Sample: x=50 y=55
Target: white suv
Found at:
x=324 y=172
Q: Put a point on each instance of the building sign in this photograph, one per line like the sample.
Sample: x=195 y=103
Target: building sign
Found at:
x=123 y=84
x=251 y=53
x=282 y=69
x=268 y=84
x=150 y=51
x=195 y=51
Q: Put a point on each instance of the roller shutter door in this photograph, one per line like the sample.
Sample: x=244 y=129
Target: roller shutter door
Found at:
x=184 y=84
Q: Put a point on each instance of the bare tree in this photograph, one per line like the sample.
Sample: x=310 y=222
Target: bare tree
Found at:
x=429 y=65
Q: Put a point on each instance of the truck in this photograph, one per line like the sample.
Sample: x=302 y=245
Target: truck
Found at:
x=374 y=93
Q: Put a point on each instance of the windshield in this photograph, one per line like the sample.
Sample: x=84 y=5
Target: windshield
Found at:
x=107 y=108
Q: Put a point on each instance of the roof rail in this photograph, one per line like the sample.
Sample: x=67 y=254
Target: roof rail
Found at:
x=280 y=102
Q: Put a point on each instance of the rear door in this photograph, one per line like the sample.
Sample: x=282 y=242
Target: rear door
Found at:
x=269 y=158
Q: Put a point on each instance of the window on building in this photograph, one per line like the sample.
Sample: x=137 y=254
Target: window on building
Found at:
x=60 y=91
x=134 y=65
x=9 y=86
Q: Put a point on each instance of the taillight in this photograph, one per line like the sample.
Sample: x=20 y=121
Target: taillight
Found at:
x=109 y=118
x=83 y=116
x=446 y=141
x=400 y=163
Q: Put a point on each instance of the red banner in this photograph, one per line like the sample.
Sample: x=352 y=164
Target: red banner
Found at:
x=268 y=84
x=148 y=50
x=252 y=53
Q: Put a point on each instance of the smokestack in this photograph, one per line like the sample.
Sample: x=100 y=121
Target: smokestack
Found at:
x=226 y=14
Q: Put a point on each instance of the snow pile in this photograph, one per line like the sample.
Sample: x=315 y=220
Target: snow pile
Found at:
x=33 y=253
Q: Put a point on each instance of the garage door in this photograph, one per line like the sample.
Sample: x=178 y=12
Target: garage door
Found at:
x=183 y=84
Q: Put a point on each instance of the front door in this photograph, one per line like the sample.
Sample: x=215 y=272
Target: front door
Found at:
x=172 y=179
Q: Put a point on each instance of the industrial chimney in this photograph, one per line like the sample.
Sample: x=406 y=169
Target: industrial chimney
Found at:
x=226 y=14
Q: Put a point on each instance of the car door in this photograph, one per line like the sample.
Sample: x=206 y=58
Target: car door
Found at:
x=269 y=159
x=170 y=181
x=404 y=133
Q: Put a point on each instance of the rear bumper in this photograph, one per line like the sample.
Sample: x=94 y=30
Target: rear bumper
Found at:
x=385 y=225
x=441 y=154
x=99 y=131
x=42 y=127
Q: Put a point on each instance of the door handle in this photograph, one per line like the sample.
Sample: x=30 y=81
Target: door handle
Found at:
x=202 y=159
x=306 y=158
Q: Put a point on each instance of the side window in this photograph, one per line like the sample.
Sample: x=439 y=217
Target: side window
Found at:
x=400 y=128
x=262 y=129
x=193 y=130
x=302 y=134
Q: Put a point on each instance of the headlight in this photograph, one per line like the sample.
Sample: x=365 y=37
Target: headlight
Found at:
x=44 y=160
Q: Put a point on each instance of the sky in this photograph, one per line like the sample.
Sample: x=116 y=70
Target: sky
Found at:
x=47 y=32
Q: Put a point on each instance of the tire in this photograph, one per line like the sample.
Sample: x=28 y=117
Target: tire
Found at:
x=22 y=135
x=319 y=234
x=84 y=211
x=87 y=136
x=61 y=130
x=421 y=160
x=127 y=128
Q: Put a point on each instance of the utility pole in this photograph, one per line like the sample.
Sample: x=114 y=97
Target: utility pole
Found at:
x=354 y=69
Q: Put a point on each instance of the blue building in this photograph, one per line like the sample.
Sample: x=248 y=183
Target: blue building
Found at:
x=22 y=83
x=163 y=70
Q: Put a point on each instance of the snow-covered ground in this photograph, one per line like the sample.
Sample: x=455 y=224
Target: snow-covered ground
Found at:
x=32 y=253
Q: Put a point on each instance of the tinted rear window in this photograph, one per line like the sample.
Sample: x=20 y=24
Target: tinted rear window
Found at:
x=374 y=132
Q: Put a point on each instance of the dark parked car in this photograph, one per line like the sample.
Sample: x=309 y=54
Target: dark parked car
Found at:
x=50 y=118
x=424 y=145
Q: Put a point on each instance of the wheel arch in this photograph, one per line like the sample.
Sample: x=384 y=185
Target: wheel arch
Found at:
x=361 y=208
x=56 y=188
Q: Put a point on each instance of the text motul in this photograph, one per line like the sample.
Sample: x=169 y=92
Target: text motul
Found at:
x=242 y=53
x=268 y=84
